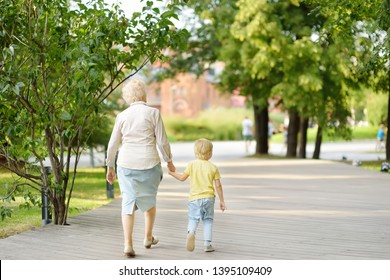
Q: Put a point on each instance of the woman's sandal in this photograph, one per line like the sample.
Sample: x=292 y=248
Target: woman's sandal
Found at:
x=130 y=253
x=149 y=243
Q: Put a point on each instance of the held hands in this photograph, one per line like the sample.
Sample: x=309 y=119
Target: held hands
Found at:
x=110 y=175
x=172 y=173
x=171 y=167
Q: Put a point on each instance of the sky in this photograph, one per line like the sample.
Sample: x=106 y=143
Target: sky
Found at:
x=131 y=6
x=128 y=6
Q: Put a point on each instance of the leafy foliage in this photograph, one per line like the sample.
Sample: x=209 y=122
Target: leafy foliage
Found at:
x=59 y=64
x=280 y=49
x=364 y=26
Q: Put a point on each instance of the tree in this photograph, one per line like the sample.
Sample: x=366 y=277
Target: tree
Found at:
x=212 y=41
x=367 y=21
x=59 y=64
x=268 y=35
x=314 y=73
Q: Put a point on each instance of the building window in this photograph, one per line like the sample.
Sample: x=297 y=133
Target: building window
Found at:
x=175 y=91
x=158 y=94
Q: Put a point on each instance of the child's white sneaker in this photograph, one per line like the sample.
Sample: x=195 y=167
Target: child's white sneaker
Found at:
x=209 y=248
x=191 y=241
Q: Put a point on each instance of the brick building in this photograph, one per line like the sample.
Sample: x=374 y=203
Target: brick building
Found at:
x=186 y=95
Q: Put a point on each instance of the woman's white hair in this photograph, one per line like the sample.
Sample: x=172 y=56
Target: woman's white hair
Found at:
x=134 y=90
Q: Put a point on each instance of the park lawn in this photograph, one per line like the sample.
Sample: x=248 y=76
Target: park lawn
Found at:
x=358 y=133
x=224 y=124
x=89 y=193
x=374 y=165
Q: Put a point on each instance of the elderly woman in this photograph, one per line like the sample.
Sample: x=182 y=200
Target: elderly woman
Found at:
x=139 y=128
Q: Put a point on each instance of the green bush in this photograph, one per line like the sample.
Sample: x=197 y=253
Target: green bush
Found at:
x=217 y=124
x=185 y=130
x=377 y=108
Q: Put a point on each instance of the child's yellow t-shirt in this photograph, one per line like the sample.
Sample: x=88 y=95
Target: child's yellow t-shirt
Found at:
x=202 y=174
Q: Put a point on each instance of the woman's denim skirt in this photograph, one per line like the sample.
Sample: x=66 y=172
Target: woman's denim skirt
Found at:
x=139 y=188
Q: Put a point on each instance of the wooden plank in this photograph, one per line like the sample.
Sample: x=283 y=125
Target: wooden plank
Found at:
x=284 y=209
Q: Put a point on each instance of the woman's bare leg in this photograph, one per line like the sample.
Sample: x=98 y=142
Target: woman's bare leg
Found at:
x=128 y=225
x=150 y=217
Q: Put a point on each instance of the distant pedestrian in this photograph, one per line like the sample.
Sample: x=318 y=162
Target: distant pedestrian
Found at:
x=247 y=132
x=380 y=137
x=285 y=138
x=203 y=176
x=381 y=133
x=270 y=129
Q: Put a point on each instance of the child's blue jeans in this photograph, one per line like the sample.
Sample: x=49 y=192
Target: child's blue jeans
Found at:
x=201 y=209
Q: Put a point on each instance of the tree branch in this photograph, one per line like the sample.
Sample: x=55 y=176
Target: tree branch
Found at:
x=121 y=82
x=15 y=188
x=12 y=166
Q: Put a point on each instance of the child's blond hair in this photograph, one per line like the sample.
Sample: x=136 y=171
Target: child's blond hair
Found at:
x=203 y=149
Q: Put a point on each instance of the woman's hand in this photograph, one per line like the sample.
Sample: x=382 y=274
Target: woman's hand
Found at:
x=171 y=166
x=110 y=175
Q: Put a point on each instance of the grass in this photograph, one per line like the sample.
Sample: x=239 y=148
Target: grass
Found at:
x=218 y=124
x=214 y=124
x=374 y=165
x=358 y=133
x=89 y=193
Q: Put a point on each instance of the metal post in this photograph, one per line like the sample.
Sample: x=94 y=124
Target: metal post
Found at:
x=110 y=190
x=91 y=156
x=46 y=214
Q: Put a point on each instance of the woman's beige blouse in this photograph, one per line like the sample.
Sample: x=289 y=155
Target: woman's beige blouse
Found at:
x=139 y=128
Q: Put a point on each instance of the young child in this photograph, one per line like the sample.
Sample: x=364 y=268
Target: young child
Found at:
x=201 y=199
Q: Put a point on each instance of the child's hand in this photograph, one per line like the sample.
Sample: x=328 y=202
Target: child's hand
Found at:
x=222 y=206
x=179 y=176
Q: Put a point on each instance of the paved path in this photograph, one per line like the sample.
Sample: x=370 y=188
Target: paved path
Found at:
x=277 y=210
x=351 y=150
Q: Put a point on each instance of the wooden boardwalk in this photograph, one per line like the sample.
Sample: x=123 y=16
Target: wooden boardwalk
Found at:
x=277 y=210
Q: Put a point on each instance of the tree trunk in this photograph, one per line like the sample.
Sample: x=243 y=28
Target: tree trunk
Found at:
x=62 y=212
x=293 y=129
x=59 y=209
x=261 y=129
x=303 y=137
x=317 y=148
x=388 y=127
